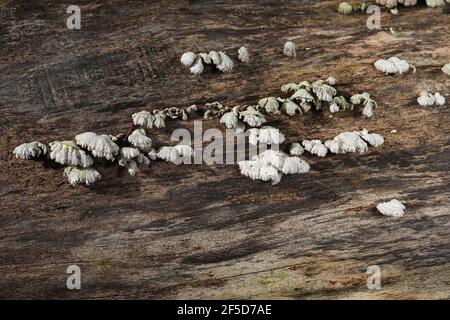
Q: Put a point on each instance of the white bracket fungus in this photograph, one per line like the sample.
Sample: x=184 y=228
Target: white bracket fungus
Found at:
x=296 y=149
x=271 y=165
x=270 y=105
x=393 y=208
x=144 y=119
x=315 y=147
x=243 y=55
x=252 y=117
x=195 y=61
x=289 y=49
x=101 y=146
x=355 y=141
x=68 y=153
x=230 y=119
x=446 y=69
x=85 y=176
x=129 y=157
x=177 y=154
x=428 y=99
x=393 y=65
x=138 y=139
x=266 y=135
x=435 y=3
x=30 y=150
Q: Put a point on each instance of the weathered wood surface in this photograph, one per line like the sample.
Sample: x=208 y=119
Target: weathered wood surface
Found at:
x=205 y=231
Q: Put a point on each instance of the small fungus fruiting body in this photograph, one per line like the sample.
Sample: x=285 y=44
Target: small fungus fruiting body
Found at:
x=101 y=146
x=252 y=117
x=440 y=100
x=86 y=176
x=188 y=58
x=270 y=105
x=144 y=119
x=230 y=120
x=139 y=139
x=244 y=56
x=446 y=69
x=289 y=49
x=374 y=139
x=345 y=8
x=393 y=208
x=270 y=165
x=393 y=65
x=296 y=149
x=129 y=158
x=68 y=153
x=365 y=99
x=30 y=150
x=197 y=67
x=226 y=64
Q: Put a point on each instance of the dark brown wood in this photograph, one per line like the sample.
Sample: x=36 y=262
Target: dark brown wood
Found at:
x=206 y=231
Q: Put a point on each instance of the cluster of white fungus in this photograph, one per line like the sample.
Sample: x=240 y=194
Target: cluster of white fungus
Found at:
x=345 y=142
x=393 y=65
x=68 y=153
x=30 y=150
x=315 y=147
x=354 y=142
x=319 y=95
x=368 y=103
x=266 y=135
x=177 y=154
x=157 y=118
x=270 y=165
x=77 y=155
x=393 y=208
x=195 y=61
x=426 y=99
x=130 y=157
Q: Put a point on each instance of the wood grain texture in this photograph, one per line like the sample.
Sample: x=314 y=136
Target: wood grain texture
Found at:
x=206 y=231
